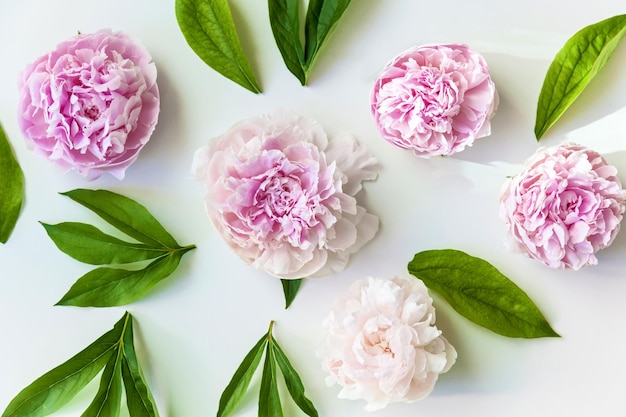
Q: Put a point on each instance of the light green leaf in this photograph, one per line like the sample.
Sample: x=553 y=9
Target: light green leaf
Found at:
x=290 y=289
x=126 y=215
x=138 y=396
x=106 y=287
x=12 y=189
x=54 y=389
x=208 y=27
x=108 y=399
x=293 y=381
x=90 y=245
x=269 y=399
x=574 y=66
x=238 y=385
x=479 y=292
x=285 y=23
x=321 y=19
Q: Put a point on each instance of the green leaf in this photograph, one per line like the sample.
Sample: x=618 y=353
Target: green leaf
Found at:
x=321 y=19
x=479 y=292
x=108 y=399
x=90 y=245
x=269 y=399
x=54 y=389
x=126 y=215
x=111 y=286
x=115 y=352
x=12 y=190
x=285 y=23
x=292 y=380
x=138 y=396
x=574 y=66
x=106 y=287
x=290 y=289
x=209 y=29
x=238 y=385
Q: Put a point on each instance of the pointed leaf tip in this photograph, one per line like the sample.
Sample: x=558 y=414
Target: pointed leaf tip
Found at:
x=209 y=29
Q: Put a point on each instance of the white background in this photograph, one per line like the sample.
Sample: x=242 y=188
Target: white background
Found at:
x=196 y=327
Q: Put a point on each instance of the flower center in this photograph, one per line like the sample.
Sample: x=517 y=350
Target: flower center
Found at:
x=281 y=196
x=378 y=345
x=92 y=112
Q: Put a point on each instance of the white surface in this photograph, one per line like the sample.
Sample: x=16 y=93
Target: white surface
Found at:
x=196 y=326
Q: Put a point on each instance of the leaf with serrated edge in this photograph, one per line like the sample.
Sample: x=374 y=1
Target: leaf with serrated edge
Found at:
x=285 y=23
x=138 y=396
x=269 y=399
x=90 y=245
x=574 y=66
x=126 y=215
x=108 y=399
x=480 y=293
x=238 y=385
x=290 y=289
x=55 y=388
x=106 y=287
x=12 y=190
x=293 y=381
x=321 y=19
x=209 y=29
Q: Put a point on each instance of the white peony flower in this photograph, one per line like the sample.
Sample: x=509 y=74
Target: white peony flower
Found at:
x=382 y=344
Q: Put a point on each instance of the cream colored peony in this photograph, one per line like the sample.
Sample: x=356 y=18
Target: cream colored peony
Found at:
x=382 y=344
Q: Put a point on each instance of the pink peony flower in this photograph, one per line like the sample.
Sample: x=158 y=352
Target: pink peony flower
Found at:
x=434 y=99
x=91 y=104
x=282 y=195
x=382 y=345
x=565 y=205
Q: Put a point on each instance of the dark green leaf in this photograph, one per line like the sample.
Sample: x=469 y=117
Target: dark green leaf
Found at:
x=12 y=189
x=90 y=245
x=108 y=399
x=285 y=22
x=574 y=66
x=293 y=381
x=125 y=214
x=269 y=399
x=106 y=287
x=208 y=27
x=238 y=385
x=321 y=18
x=479 y=292
x=138 y=396
x=290 y=289
x=54 y=389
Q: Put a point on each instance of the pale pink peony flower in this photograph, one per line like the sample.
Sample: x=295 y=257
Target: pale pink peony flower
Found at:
x=565 y=205
x=434 y=99
x=282 y=195
x=382 y=345
x=91 y=104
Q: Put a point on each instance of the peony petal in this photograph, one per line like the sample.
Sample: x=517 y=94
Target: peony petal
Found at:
x=353 y=161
